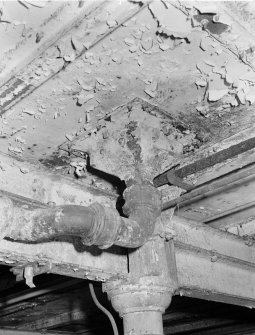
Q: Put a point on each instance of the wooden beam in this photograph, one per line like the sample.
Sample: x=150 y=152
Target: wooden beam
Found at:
x=198 y=325
x=241 y=328
x=21 y=332
x=56 y=320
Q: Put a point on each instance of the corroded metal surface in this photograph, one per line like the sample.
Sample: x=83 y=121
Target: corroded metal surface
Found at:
x=143 y=296
x=206 y=162
x=66 y=258
x=92 y=225
x=212 y=264
x=34 y=182
x=143 y=205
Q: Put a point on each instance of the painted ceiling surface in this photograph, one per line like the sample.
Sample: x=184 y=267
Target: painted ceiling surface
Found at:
x=65 y=66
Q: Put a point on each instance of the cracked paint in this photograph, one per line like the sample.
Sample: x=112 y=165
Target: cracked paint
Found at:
x=167 y=60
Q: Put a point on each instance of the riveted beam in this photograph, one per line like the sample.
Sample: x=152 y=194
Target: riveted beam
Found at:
x=213 y=264
x=65 y=258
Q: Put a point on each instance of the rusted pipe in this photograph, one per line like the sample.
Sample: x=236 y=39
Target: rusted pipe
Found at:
x=143 y=205
x=95 y=224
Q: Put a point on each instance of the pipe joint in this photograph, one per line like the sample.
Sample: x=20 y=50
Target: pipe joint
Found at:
x=138 y=197
x=105 y=228
x=143 y=205
x=95 y=224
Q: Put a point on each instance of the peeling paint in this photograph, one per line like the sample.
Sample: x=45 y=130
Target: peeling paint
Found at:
x=158 y=46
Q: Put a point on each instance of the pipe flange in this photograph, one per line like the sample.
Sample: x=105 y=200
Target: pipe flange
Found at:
x=130 y=297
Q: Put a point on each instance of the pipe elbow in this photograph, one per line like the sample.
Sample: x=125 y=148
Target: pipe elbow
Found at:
x=95 y=224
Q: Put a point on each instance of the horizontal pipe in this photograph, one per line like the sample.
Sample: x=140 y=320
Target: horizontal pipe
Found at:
x=218 y=185
x=230 y=211
x=49 y=223
x=207 y=162
x=94 y=224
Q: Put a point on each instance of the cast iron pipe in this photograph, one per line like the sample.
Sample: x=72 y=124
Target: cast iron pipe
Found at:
x=143 y=205
x=95 y=224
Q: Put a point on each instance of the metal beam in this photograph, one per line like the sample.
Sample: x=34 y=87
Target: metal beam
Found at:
x=210 y=196
x=243 y=229
x=37 y=187
x=213 y=264
x=223 y=190
x=205 y=163
x=65 y=258
x=38 y=184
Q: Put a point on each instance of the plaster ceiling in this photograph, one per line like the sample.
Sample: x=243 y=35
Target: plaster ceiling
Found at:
x=192 y=60
x=66 y=67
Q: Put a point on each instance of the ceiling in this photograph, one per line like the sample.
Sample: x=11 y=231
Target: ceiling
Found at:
x=71 y=71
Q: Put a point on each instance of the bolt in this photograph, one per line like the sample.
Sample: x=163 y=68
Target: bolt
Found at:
x=249 y=242
x=214 y=258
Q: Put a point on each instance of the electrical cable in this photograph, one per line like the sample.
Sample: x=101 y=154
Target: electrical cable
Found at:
x=103 y=309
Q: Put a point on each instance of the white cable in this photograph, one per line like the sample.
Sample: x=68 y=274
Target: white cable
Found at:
x=103 y=309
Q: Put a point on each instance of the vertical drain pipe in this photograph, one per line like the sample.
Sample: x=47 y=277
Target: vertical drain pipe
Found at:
x=143 y=297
